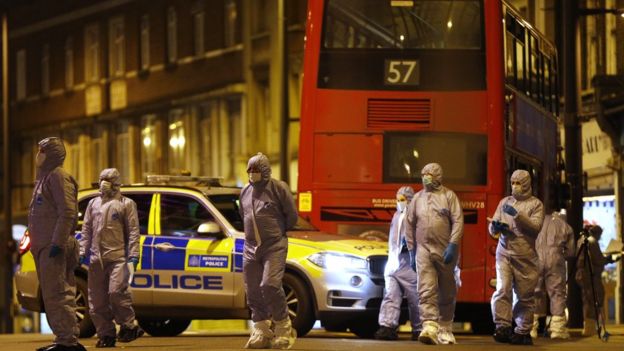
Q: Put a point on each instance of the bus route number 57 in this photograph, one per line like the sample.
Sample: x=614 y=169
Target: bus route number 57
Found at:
x=401 y=72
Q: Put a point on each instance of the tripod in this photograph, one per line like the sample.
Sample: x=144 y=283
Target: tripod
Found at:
x=601 y=328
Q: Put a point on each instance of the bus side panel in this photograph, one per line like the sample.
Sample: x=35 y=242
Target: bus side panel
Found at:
x=473 y=246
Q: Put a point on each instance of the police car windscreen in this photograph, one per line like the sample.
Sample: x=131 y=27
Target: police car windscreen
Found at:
x=227 y=204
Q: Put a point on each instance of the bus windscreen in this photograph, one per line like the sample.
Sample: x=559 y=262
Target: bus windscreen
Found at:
x=427 y=24
x=463 y=157
x=432 y=45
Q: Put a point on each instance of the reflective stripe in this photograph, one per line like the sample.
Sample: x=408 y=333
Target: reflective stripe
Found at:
x=151 y=224
x=157 y=217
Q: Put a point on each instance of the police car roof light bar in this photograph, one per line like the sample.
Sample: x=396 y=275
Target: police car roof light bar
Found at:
x=163 y=179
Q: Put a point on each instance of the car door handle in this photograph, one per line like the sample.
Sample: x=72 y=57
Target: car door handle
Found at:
x=164 y=247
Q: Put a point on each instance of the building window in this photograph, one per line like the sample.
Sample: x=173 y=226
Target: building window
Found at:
x=69 y=63
x=24 y=183
x=92 y=53
x=116 y=47
x=124 y=149
x=151 y=141
x=99 y=149
x=177 y=141
x=145 y=43
x=20 y=60
x=198 y=32
x=45 y=70
x=172 y=35
x=259 y=20
x=230 y=23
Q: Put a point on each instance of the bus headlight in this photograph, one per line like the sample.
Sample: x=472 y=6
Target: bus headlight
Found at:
x=333 y=260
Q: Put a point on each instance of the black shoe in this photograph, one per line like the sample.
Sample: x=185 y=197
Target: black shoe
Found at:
x=415 y=335
x=521 y=339
x=106 y=341
x=385 y=333
x=130 y=334
x=59 y=347
x=503 y=334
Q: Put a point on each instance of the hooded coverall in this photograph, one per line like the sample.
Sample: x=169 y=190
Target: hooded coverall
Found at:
x=111 y=233
x=435 y=221
x=51 y=223
x=400 y=278
x=554 y=244
x=268 y=210
x=516 y=257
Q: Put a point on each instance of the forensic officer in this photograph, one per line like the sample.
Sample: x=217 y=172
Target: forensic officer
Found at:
x=268 y=211
x=554 y=244
x=400 y=278
x=51 y=224
x=435 y=228
x=110 y=233
x=518 y=219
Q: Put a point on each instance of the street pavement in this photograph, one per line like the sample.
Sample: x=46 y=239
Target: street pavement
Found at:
x=321 y=340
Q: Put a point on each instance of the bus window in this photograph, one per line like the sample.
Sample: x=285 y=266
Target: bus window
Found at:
x=534 y=69
x=547 y=87
x=554 y=86
x=462 y=156
x=510 y=61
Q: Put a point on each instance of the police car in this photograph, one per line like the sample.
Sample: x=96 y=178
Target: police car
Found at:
x=191 y=264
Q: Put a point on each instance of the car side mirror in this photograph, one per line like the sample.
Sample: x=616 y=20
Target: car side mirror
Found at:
x=209 y=229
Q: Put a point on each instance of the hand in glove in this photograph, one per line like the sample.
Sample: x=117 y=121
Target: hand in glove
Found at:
x=510 y=210
x=412 y=256
x=500 y=227
x=55 y=251
x=613 y=258
x=134 y=261
x=450 y=253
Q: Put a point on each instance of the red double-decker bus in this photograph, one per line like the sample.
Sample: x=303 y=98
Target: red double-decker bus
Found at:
x=390 y=86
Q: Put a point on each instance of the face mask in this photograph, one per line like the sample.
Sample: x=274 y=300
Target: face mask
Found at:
x=516 y=189
x=255 y=177
x=427 y=179
x=401 y=205
x=105 y=186
x=40 y=159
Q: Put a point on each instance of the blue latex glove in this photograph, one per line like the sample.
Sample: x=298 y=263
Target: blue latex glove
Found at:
x=55 y=251
x=500 y=227
x=134 y=261
x=510 y=210
x=450 y=253
x=412 y=256
x=82 y=260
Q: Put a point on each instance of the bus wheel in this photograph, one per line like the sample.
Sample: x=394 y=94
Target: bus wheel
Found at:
x=87 y=329
x=299 y=302
x=365 y=328
x=164 y=327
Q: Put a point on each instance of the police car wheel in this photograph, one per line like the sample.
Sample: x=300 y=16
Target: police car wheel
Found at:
x=164 y=326
x=300 y=307
x=364 y=327
x=87 y=329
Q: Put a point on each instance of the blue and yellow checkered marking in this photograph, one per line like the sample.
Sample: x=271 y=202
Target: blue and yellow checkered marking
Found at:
x=237 y=255
x=170 y=260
